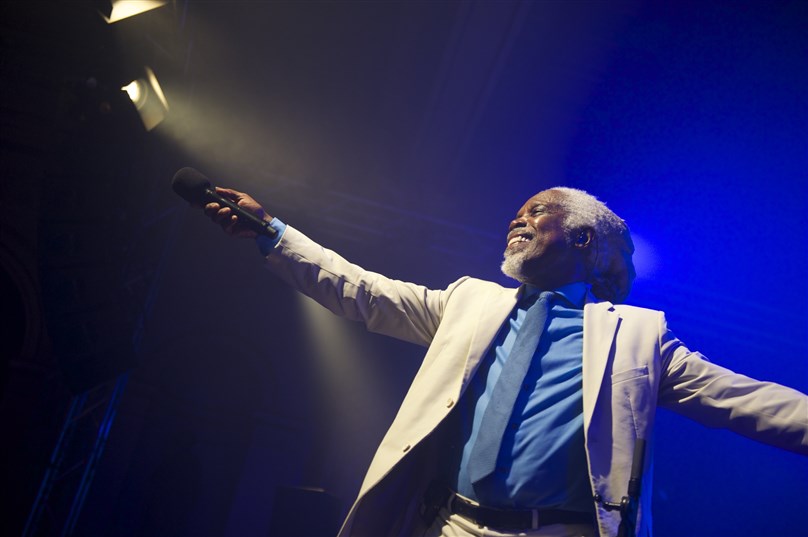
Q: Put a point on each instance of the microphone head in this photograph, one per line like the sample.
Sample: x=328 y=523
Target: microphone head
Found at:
x=191 y=185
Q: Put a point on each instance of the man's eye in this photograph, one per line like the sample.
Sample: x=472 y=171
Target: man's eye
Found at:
x=537 y=210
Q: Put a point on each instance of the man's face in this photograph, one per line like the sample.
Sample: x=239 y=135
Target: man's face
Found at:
x=538 y=250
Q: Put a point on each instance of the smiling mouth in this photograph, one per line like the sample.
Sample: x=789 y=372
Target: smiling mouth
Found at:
x=517 y=239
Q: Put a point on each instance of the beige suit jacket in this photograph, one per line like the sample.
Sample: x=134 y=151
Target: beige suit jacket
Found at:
x=631 y=364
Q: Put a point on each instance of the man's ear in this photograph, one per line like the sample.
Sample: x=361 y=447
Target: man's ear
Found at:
x=584 y=238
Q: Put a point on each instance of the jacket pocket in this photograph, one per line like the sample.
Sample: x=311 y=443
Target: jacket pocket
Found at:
x=629 y=374
x=632 y=401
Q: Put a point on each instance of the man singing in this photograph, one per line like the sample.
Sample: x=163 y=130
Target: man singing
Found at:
x=532 y=403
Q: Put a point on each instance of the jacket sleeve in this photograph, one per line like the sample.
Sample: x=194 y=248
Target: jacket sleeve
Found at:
x=399 y=309
x=716 y=397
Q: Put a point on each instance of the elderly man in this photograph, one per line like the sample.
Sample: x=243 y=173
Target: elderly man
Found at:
x=532 y=403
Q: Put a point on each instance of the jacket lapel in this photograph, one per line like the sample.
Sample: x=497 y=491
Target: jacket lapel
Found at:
x=600 y=328
x=494 y=312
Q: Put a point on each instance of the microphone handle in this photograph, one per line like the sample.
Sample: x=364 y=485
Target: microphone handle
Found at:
x=245 y=217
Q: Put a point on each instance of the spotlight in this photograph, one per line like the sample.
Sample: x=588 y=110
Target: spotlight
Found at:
x=115 y=10
x=149 y=99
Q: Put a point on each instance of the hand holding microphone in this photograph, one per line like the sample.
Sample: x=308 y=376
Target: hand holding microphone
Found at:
x=238 y=213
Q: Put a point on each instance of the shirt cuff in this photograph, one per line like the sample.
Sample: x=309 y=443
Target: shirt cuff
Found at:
x=267 y=244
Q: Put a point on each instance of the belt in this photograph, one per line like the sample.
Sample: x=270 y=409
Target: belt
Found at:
x=514 y=519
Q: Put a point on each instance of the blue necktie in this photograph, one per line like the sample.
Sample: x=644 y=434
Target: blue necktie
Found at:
x=483 y=458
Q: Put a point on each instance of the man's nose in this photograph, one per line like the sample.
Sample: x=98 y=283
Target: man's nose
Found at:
x=516 y=222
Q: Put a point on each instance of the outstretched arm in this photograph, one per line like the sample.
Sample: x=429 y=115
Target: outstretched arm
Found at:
x=717 y=397
x=399 y=309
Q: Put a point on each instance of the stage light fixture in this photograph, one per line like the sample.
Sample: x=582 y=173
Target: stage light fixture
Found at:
x=149 y=99
x=115 y=10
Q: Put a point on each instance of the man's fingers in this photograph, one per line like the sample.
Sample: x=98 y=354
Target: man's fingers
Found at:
x=234 y=228
x=229 y=224
x=223 y=215
x=229 y=193
x=211 y=209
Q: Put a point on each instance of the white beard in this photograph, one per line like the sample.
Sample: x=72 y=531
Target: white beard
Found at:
x=513 y=266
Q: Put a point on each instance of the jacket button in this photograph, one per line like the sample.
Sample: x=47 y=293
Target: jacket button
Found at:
x=406 y=448
x=449 y=402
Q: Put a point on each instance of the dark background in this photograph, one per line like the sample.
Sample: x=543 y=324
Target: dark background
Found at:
x=405 y=136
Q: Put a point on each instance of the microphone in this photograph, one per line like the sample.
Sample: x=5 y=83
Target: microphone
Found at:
x=195 y=188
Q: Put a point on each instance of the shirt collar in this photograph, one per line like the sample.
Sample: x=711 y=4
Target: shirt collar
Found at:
x=573 y=293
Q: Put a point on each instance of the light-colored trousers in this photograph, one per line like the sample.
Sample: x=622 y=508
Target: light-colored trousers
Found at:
x=449 y=525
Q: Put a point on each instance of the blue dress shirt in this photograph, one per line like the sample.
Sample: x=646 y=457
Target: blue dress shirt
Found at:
x=542 y=461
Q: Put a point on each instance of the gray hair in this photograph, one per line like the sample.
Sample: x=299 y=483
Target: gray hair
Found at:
x=612 y=273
